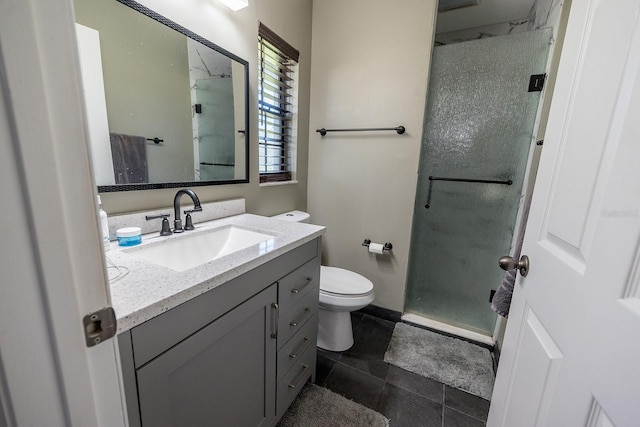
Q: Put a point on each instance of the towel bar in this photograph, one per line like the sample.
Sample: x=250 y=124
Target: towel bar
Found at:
x=483 y=181
x=399 y=129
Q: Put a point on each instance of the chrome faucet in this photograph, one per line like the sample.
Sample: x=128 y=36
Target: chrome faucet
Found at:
x=177 y=222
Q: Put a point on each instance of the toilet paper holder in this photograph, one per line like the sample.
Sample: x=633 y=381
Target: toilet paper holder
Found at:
x=386 y=247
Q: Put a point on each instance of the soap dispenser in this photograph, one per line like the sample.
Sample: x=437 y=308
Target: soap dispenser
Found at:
x=104 y=226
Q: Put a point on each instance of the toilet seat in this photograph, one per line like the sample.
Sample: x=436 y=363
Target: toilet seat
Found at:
x=343 y=283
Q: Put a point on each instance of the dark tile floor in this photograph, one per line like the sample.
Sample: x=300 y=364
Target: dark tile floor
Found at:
x=407 y=399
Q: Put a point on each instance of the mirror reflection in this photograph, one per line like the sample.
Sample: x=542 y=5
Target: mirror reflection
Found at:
x=173 y=108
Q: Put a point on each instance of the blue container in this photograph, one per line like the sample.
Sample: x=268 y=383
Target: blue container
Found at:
x=129 y=236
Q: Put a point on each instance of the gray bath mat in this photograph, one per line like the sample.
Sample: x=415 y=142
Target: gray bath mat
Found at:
x=451 y=361
x=319 y=407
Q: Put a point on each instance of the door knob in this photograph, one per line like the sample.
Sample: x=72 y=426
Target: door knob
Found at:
x=508 y=263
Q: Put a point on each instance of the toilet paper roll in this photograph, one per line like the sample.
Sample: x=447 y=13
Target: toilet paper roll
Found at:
x=376 y=248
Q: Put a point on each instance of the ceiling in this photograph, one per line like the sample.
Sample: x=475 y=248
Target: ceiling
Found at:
x=486 y=13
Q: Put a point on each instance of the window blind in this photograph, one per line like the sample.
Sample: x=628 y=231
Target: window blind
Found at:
x=277 y=61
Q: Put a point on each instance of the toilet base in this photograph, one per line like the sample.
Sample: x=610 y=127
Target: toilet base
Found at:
x=335 y=332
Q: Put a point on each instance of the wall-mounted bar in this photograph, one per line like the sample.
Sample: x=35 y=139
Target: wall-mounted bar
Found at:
x=440 y=178
x=485 y=181
x=155 y=140
x=399 y=129
x=217 y=164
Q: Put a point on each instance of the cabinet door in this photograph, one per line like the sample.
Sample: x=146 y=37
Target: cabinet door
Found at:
x=223 y=375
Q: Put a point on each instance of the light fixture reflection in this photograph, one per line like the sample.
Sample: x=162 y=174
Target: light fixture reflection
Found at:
x=267 y=246
x=235 y=5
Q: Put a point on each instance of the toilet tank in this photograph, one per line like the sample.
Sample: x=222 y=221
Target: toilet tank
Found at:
x=295 y=216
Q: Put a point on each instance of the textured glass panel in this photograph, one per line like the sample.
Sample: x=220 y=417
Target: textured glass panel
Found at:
x=216 y=129
x=478 y=125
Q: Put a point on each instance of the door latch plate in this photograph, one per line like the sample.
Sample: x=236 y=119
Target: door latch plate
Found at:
x=99 y=326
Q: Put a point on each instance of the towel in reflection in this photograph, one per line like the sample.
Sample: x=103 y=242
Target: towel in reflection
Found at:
x=129 y=158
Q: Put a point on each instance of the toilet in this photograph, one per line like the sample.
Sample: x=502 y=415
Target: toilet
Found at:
x=341 y=292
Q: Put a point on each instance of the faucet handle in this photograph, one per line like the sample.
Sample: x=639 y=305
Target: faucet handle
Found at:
x=188 y=221
x=166 y=230
x=150 y=217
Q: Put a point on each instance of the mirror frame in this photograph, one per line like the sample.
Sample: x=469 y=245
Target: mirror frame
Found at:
x=154 y=186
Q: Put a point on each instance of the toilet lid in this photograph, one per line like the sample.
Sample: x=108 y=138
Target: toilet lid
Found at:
x=344 y=282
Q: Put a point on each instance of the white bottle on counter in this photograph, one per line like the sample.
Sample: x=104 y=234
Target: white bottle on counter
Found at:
x=104 y=226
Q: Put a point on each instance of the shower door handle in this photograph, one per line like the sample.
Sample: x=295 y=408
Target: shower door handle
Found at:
x=508 y=263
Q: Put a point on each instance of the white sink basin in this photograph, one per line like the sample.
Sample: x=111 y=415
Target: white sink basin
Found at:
x=196 y=248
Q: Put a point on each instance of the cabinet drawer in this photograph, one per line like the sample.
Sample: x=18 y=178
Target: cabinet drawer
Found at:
x=291 y=384
x=293 y=350
x=292 y=319
x=295 y=285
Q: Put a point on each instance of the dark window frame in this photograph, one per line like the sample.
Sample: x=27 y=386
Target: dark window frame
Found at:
x=275 y=127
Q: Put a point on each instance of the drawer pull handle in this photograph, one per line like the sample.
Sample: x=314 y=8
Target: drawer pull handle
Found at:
x=299 y=377
x=297 y=290
x=300 y=348
x=275 y=313
x=296 y=322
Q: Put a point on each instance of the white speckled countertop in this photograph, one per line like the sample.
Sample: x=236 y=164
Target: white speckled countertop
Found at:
x=150 y=289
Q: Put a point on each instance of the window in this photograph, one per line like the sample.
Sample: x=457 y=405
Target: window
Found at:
x=278 y=62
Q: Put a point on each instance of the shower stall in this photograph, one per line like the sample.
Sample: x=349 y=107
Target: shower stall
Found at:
x=478 y=129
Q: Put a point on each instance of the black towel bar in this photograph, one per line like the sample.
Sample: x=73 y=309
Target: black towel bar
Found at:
x=483 y=181
x=399 y=129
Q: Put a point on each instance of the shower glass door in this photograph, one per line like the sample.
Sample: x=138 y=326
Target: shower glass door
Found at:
x=478 y=126
x=215 y=128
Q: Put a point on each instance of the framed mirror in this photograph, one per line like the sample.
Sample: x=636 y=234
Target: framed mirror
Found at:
x=174 y=108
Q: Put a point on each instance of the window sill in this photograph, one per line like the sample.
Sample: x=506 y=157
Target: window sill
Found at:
x=276 y=183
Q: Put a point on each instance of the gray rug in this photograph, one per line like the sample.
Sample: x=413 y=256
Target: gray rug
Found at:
x=319 y=407
x=451 y=361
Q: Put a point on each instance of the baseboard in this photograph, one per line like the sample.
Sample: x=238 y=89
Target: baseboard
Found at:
x=382 y=313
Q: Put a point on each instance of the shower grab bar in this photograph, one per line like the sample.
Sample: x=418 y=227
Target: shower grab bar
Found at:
x=486 y=181
x=217 y=164
x=440 y=178
x=399 y=129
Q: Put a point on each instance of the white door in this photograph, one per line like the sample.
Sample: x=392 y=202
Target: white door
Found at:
x=571 y=355
x=51 y=268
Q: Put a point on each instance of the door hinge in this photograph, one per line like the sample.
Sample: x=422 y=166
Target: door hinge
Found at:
x=536 y=82
x=99 y=326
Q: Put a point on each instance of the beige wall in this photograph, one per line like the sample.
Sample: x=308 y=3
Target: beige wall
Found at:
x=238 y=33
x=370 y=69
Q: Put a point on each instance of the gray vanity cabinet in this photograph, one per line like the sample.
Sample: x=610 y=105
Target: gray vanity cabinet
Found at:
x=234 y=356
x=209 y=378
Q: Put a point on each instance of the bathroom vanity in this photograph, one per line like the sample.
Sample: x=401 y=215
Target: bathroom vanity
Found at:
x=230 y=342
